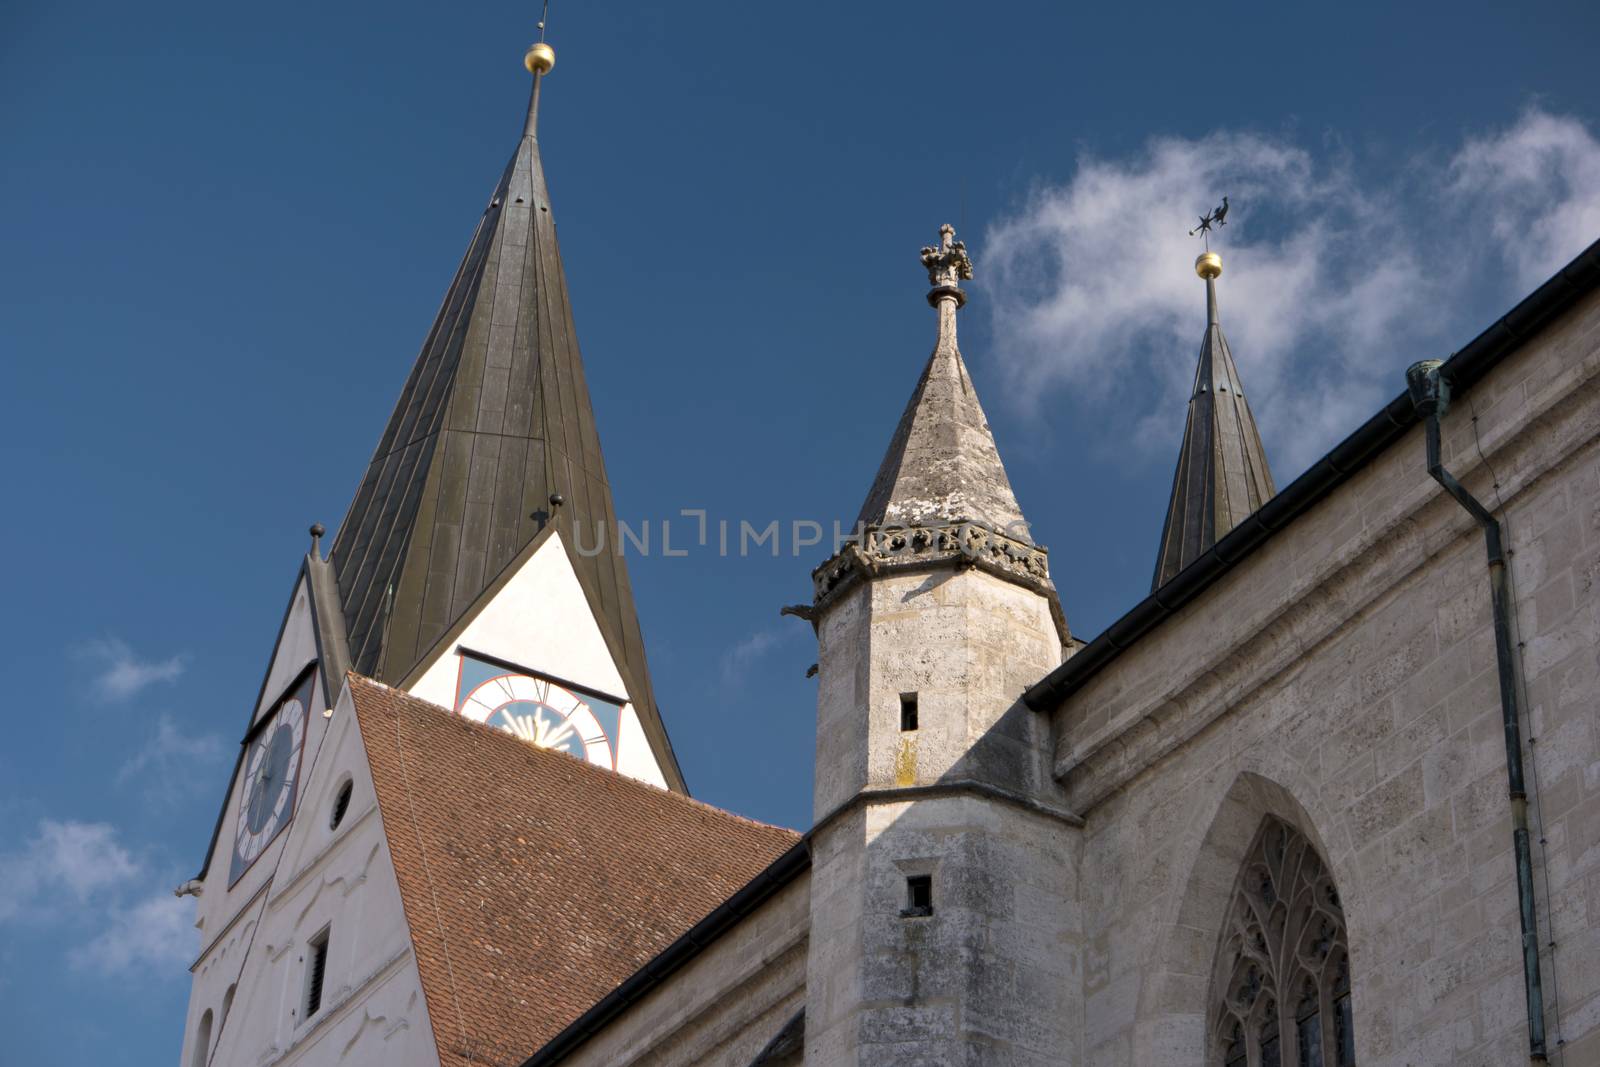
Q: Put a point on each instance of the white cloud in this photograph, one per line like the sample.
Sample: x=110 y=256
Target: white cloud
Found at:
x=76 y=859
x=1535 y=188
x=166 y=762
x=738 y=660
x=120 y=674
x=1332 y=284
x=155 y=934
x=80 y=874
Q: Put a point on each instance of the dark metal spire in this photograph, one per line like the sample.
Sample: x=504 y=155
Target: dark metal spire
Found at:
x=1222 y=474
x=493 y=427
x=540 y=60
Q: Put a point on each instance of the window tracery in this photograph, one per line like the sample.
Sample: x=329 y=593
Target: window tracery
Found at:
x=1281 y=987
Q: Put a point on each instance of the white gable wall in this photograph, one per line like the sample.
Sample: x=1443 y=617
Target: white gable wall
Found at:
x=541 y=620
x=297 y=646
x=340 y=880
x=219 y=905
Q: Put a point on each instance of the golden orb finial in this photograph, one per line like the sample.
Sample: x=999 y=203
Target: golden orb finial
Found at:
x=1209 y=265
x=540 y=58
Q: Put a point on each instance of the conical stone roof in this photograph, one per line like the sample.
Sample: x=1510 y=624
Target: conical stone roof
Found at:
x=942 y=496
x=942 y=465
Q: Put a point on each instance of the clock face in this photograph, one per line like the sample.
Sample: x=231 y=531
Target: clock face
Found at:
x=540 y=712
x=271 y=774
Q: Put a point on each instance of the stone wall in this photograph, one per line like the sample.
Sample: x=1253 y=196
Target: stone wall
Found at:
x=965 y=644
x=990 y=977
x=964 y=799
x=1343 y=678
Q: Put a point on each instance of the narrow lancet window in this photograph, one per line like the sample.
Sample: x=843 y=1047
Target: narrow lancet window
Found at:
x=919 y=896
x=1283 y=944
x=908 y=712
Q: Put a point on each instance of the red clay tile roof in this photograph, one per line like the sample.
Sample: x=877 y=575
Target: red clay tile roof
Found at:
x=534 y=883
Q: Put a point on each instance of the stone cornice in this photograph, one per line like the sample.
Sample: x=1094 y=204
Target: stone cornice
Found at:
x=883 y=550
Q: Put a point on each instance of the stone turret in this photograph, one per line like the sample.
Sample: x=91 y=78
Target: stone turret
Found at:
x=940 y=851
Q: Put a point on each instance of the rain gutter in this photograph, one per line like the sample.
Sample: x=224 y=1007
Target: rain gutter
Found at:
x=1430 y=391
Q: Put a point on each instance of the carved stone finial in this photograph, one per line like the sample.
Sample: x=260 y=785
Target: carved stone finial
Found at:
x=947 y=263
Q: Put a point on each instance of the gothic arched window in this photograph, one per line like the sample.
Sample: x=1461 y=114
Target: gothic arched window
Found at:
x=1281 y=988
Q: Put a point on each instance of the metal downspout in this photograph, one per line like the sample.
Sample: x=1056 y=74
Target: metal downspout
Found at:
x=1430 y=393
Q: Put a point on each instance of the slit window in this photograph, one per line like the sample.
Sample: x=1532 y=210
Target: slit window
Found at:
x=908 y=712
x=919 y=896
x=316 y=972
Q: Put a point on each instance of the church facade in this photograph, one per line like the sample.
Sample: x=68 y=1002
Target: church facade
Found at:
x=1329 y=795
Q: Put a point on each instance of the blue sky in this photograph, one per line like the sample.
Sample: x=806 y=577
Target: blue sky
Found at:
x=226 y=231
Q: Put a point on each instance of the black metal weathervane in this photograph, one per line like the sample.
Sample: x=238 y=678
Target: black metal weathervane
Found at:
x=1217 y=216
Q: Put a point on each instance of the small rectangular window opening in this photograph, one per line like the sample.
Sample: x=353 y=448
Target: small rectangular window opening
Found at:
x=919 y=896
x=908 y=712
x=316 y=971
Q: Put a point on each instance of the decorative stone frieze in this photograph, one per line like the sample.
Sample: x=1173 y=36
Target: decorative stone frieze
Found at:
x=882 y=549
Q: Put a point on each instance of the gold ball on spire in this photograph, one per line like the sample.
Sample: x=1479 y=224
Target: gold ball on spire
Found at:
x=540 y=59
x=1209 y=265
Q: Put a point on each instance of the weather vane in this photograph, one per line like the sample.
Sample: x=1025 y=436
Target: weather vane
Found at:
x=1217 y=216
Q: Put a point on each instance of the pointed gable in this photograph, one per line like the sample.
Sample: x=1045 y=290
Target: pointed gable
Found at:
x=534 y=883
x=1222 y=474
x=494 y=422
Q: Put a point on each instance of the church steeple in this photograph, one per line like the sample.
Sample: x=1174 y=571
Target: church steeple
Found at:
x=941 y=493
x=491 y=447
x=1222 y=474
x=942 y=465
